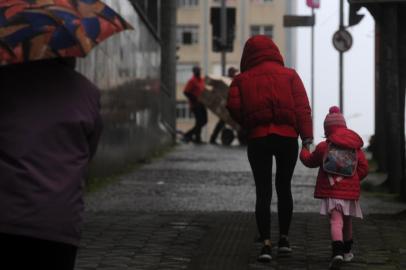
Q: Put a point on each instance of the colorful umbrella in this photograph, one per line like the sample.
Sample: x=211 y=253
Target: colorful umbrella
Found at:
x=40 y=29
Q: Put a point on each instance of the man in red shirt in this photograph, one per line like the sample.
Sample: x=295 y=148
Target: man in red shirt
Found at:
x=192 y=91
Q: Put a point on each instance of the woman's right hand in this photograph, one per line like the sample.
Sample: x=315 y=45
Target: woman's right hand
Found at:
x=306 y=143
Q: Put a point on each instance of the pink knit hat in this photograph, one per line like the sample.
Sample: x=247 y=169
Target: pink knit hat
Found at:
x=333 y=120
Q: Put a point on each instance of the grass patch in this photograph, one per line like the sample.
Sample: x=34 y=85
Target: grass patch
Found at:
x=371 y=187
x=94 y=184
x=384 y=196
x=372 y=165
x=382 y=191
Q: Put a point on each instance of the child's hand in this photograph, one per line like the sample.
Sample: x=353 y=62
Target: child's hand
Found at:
x=309 y=158
x=304 y=153
x=306 y=146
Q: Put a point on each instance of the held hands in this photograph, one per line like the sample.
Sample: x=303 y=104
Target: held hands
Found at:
x=306 y=143
x=305 y=152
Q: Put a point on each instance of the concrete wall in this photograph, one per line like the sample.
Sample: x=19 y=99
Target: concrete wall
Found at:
x=127 y=69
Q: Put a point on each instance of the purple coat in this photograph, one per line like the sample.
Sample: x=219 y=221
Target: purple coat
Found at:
x=49 y=129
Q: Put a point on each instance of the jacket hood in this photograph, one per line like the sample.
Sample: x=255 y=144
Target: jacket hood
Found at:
x=347 y=138
x=258 y=49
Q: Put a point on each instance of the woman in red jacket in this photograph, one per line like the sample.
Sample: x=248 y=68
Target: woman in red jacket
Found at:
x=269 y=101
x=339 y=194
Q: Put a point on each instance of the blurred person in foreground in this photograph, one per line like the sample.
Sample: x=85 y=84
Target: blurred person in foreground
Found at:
x=49 y=129
x=269 y=101
x=193 y=90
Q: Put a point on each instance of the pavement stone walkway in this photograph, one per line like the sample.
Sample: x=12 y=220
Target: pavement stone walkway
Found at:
x=193 y=209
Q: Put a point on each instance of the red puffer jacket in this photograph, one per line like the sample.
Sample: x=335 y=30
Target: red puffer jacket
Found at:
x=268 y=98
x=349 y=187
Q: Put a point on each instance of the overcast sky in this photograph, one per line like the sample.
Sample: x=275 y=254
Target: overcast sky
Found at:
x=358 y=69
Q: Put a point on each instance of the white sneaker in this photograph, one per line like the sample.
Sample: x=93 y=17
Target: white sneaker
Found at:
x=284 y=246
x=266 y=254
x=336 y=262
x=348 y=257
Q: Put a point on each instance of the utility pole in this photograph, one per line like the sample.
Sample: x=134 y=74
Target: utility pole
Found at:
x=342 y=41
x=295 y=21
x=168 y=63
x=341 y=60
x=312 y=68
x=223 y=36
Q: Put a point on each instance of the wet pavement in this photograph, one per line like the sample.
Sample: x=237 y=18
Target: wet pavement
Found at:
x=193 y=209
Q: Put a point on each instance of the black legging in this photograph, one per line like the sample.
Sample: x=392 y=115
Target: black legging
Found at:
x=200 y=113
x=260 y=154
x=217 y=129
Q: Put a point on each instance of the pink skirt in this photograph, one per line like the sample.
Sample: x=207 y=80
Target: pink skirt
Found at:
x=347 y=207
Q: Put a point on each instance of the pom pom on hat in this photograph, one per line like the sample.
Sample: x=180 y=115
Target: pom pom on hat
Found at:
x=333 y=120
x=334 y=109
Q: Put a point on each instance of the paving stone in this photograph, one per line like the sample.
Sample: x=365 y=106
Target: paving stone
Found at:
x=202 y=217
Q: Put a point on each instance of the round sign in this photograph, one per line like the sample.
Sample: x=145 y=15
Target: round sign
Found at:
x=342 y=40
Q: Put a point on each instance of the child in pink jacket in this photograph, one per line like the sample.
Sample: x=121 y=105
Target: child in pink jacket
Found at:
x=339 y=194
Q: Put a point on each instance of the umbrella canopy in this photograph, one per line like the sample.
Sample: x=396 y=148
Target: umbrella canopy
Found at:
x=40 y=29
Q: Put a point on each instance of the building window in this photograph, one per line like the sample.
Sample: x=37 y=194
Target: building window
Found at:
x=183 y=110
x=184 y=72
x=262 y=30
x=227 y=1
x=188 y=3
x=187 y=34
x=261 y=1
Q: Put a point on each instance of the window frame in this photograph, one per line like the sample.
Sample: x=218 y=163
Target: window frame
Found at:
x=183 y=111
x=262 y=29
x=187 y=3
x=184 y=72
x=194 y=29
x=262 y=2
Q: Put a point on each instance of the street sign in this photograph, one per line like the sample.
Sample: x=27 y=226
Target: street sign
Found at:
x=313 y=3
x=354 y=17
x=375 y=1
x=342 y=40
x=294 y=21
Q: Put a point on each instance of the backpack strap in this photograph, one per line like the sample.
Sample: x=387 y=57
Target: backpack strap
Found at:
x=334 y=180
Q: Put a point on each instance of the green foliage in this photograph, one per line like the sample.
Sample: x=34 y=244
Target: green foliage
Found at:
x=94 y=184
x=372 y=165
